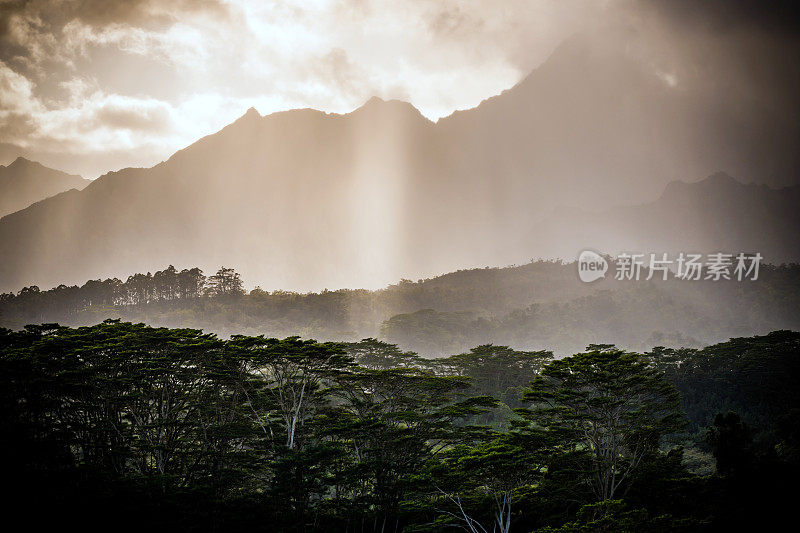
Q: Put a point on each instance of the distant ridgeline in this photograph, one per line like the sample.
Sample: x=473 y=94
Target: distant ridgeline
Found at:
x=540 y=305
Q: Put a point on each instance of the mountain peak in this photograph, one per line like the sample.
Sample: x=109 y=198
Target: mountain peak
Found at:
x=377 y=104
x=374 y=100
x=21 y=162
x=716 y=183
x=24 y=165
x=25 y=182
x=249 y=115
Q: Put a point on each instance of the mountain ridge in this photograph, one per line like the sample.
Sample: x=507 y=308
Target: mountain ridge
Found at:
x=24 y=182
x=304 y=199
x=711 y=214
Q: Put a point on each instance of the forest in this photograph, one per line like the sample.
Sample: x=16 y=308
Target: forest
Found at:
x=537 y=306
x=122 y=426
x=363 y=266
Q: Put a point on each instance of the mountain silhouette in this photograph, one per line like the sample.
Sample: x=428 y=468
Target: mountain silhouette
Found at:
x=24 y=182
x=304 y=199
x=715 y=214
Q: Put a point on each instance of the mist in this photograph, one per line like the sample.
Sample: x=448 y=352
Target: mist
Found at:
x=367 y=265
x=612 y=107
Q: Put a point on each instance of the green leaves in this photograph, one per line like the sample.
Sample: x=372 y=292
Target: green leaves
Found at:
x=299 y=434
x=610 y=404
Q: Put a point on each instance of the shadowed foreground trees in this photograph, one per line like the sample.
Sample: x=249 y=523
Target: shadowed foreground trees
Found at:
x=609 y=405
x=127 y=427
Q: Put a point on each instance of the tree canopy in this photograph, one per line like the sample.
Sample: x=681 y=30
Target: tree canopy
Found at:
x=176 y=429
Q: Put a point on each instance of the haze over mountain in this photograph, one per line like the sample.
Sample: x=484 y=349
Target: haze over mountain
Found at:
x=717 y=213
x=304 y=199
x=24 y=182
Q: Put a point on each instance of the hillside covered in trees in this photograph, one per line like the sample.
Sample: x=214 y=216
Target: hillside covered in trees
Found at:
x=540 y=305
x=136 y=428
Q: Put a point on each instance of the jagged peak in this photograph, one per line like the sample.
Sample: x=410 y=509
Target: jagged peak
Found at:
x=21 y=162
x=719 y=178
x=376 y=103
x=374 y=100
x=717 y=182
x=251 y=114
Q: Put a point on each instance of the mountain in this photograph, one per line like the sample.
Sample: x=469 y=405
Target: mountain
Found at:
x=717 y=213
x=24 y=182
x=304 y=199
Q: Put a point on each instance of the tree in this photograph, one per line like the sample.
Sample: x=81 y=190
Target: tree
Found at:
x=497 y=370
x=378 y=355
x=166 y=283
x=191 y=283
x=196 y=433
x=226 y=282
x=610 y=405
x=285 y=381
x=731 y=443
x=394 y=421
x=755 y=377
x=490 y=475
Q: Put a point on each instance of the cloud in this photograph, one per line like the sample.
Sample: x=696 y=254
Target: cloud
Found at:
x=64 y=66
x=136 y=116
x=38 y=35
x=143 y=78
x=90 y=120
x=16 y=89
x=344 y=74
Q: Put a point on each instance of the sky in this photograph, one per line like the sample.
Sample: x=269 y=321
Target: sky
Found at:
x=90 y=86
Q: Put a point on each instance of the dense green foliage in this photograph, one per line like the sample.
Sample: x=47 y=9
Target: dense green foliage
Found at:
x=541 y=305
x=757 y=377
x=125 y=426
